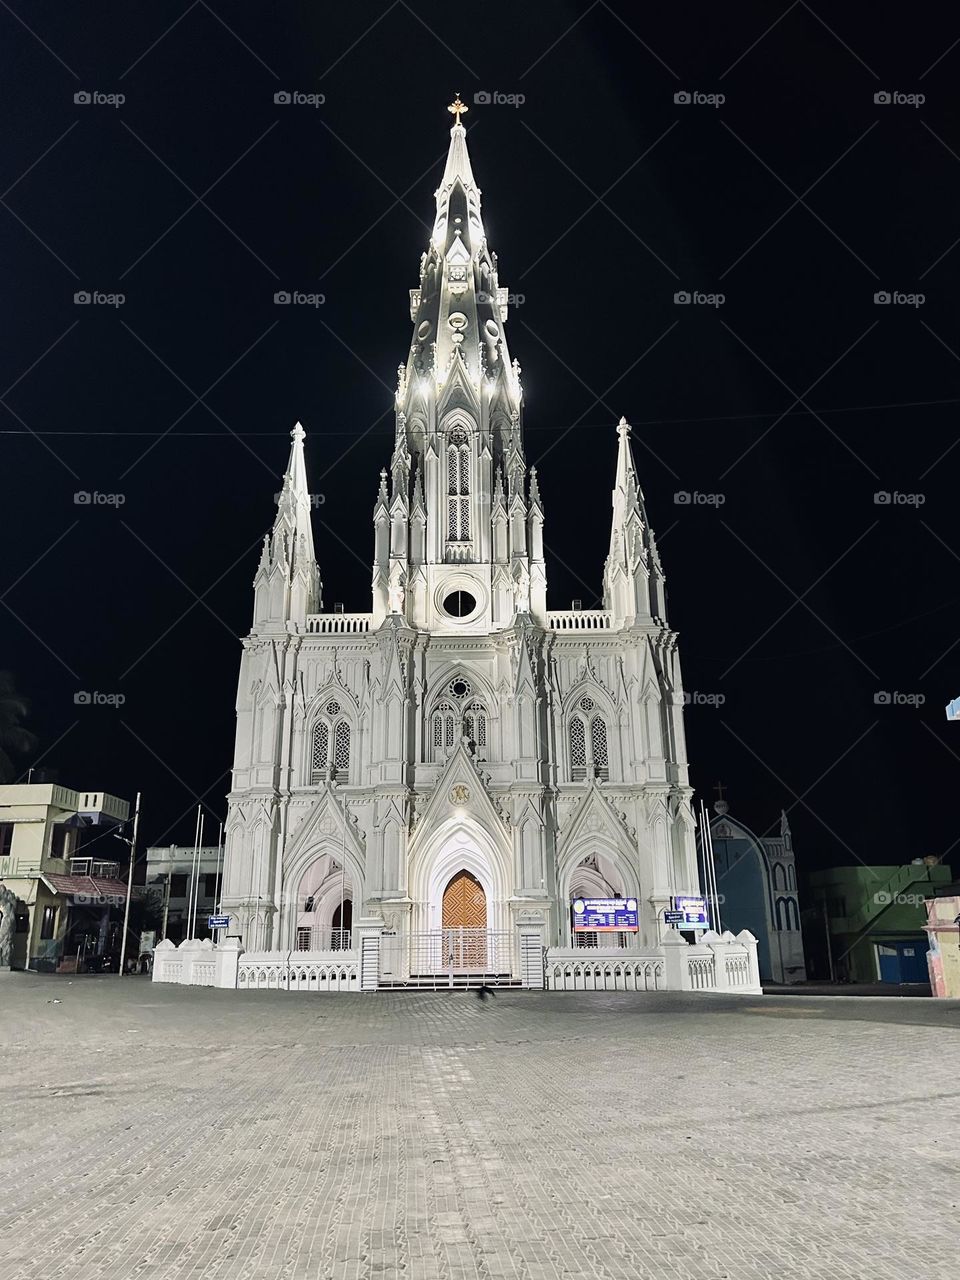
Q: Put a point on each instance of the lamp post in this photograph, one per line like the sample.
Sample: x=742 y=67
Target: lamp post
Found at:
x=126 y=906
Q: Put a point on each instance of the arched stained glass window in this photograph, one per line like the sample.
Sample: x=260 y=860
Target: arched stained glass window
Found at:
x=458 y=486
x=589 y=751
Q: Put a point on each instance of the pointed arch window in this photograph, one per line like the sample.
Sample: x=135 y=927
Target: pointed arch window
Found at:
x=589 y=751
x=443 y=726
x=458 y=486
x=330 y=746
x=475 y=724
x=449 y=722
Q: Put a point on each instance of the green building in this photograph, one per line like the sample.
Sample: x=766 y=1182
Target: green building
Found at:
x=875 y=917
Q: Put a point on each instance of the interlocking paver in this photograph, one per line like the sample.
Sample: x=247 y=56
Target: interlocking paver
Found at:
x=158 y=1133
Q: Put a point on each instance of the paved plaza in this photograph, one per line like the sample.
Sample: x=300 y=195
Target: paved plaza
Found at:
x=158 y=1133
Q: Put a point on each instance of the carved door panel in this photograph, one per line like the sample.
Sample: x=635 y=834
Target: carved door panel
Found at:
x=464 y=923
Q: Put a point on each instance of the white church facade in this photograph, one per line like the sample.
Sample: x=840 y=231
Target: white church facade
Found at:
x=461 y=760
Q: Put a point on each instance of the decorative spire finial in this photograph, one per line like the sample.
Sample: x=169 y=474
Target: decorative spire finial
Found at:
x=623 y=427
x=457 y=108
x=298 y=433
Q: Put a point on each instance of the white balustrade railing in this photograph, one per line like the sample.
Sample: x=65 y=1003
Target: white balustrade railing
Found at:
x=579 y=620
x=599 y=969
x=298 y=971
x=338 y=623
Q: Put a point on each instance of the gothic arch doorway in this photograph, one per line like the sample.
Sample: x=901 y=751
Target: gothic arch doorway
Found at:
x=464 y=903
x=464 y=923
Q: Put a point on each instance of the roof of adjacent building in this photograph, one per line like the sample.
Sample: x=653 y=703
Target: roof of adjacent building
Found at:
x=88 y=886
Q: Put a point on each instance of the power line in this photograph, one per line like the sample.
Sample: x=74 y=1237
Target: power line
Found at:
x=582 y=426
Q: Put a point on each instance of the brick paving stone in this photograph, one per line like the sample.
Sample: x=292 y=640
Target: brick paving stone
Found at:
x=161 y=1133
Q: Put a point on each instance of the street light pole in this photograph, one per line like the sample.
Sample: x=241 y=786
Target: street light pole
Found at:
x=126 y=908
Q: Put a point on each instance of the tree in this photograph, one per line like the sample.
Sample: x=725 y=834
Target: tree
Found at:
x=14 y=738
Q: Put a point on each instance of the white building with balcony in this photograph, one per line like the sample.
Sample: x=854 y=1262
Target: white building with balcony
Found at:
x=462 y=757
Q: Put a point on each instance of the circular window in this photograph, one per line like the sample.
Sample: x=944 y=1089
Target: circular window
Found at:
x=333 y=708
x=459 y=604
x=424 y=330
x=492 y=330
x=459 y=687
x=457 y=321
x=587 y=704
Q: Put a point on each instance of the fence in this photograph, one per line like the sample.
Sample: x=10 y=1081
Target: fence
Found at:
x=603 y=970
x=462 y=958
x=450 y=958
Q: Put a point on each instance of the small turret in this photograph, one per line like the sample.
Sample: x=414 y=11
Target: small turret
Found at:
x=287 y=585
x=633 y=584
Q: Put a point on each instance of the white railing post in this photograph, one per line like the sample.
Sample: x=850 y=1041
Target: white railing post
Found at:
x=228 y=962
x=676 y=968
x=163 y=953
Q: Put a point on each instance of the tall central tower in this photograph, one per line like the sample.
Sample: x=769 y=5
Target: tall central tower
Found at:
x=459 y=525
x=459 y=756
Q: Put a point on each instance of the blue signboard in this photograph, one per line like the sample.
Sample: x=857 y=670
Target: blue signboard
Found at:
x=594 y=915
x=694 y=912
x=218 y=922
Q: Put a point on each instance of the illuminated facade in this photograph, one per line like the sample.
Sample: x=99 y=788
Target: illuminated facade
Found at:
x=460 y=756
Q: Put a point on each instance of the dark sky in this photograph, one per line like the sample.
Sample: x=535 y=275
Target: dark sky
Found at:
x=798 y=600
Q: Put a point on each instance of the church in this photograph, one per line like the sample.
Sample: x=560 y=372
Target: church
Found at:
x=462 y=757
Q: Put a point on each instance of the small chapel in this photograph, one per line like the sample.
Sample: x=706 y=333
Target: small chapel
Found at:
x=461 y=756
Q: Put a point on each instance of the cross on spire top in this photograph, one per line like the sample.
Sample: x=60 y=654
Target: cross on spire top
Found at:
x=457 y=108
x=719 y=789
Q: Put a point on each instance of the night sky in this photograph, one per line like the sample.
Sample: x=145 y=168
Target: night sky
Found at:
x=798 y=598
